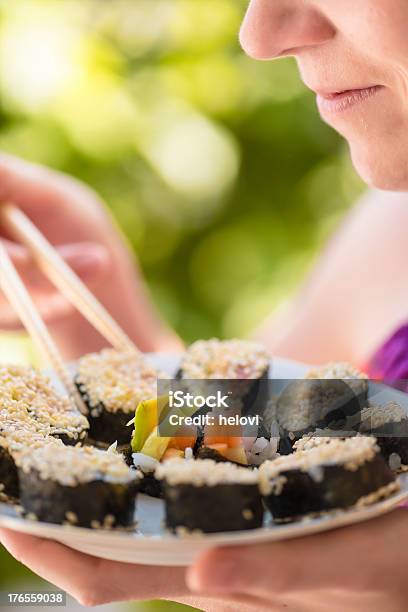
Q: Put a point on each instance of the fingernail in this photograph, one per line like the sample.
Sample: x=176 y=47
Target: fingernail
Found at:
x=213 y=576
x=18 y=253
x=86 y=257
x=86 y=260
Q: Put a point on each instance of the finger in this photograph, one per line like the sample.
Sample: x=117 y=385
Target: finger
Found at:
x=53 y=308
x=90 y=261
x=253 y=570
x=30 y=185
x=87 y=259
x=51 y=561
x=62 y=207
x=19 y=254
x=90 y=580
x=229 y=604
x=274 y=569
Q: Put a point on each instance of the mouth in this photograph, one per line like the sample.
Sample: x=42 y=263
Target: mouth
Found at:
x=340 y=101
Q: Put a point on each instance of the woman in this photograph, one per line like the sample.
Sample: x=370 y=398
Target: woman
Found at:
x=355 y=56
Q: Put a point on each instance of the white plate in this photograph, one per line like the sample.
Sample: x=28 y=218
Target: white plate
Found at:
x=151 y=545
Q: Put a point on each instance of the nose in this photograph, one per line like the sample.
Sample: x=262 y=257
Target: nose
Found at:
x=275 y=28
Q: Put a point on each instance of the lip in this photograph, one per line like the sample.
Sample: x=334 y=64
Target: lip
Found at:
x=339 y=102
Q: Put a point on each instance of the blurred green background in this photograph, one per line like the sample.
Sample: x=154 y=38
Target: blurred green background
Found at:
x=218 y=168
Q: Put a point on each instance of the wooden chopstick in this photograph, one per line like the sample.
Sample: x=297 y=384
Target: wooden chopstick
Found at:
x=63 y=277
x=19 y=298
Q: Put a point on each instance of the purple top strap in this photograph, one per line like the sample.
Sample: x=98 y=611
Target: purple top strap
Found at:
x=390 y=363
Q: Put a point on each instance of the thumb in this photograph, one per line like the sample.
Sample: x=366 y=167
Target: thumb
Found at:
x=252 y=570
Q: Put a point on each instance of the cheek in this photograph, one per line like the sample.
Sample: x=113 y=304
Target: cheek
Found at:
x=371 y=47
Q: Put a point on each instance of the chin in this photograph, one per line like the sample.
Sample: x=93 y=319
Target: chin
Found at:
x=381 y=169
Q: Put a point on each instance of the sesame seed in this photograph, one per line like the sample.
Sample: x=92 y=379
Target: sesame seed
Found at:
x=204 y=472
x=224 y=359
x=336 y=371
x=71 y=517
x=375 y=416
x=302 y=405
x=117 y=380
x=29 y=405
x=73 y=465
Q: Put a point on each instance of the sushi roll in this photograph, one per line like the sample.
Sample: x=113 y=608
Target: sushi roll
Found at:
x=86 y=487
x=334 y=475
x=389 y=424
x=29 y=398
x=32 y=414
x=205 y=496
x=112 y=384
x=233 y=360
x=15 y=439
x=329 y=396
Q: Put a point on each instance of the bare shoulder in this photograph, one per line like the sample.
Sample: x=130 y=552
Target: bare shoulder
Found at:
x=376 y=226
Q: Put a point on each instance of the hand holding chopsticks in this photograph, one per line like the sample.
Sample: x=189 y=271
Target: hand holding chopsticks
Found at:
x=70 y=285
x=62 y=276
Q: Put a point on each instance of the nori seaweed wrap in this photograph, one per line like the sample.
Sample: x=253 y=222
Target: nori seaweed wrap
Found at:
x=8 y=474
x=85 y=487
x=332 y=396
x=112 y=384
x=335 y=474
x=389 y=424
x=147 y=465
x=149 y=485
x=204 y=496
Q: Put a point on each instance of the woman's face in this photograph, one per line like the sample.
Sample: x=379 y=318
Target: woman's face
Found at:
x=354 y=55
